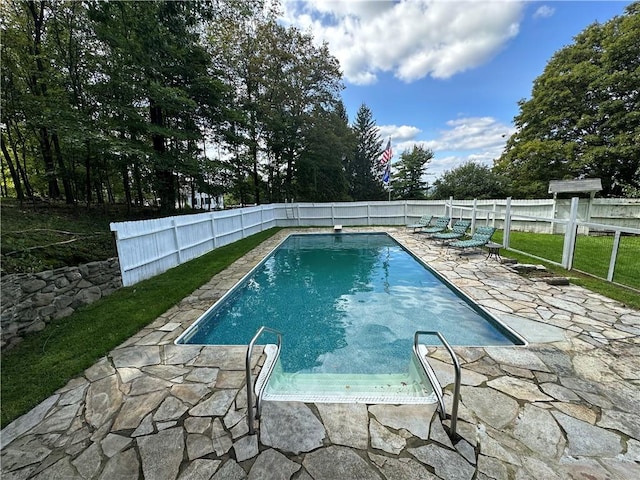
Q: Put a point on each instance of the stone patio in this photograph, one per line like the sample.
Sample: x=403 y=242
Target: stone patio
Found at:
x=567 y=406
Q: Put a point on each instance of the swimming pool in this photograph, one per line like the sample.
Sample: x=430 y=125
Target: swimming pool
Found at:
x=347 y=304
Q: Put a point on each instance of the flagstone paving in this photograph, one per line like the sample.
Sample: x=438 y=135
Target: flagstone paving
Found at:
x=566 y=406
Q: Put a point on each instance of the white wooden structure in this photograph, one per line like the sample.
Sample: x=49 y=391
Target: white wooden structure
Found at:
x=149 y=247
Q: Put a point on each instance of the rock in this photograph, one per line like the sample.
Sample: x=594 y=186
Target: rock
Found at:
x=335 y=462
x=491 y=406
x=121 y=465
x=215 y=406
x=383 y=439
x=272 y=465
x=537 y=429
x=446 y=463
x=401 y=468
x=518 y=388
x=346 y=423
x=414 y=418
x=161 y=454
x=246 y=447
x=200 y=469
x=230 y=471
x=103 y=400
x=290 y=426
x=31 y=286
x=588 y=440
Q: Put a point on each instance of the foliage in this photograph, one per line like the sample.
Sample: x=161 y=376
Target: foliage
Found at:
x=46 y=360
x=117 y=101
x=468 y=181
x=583 y=119
x=363 y=168
x=320 y=173
x=408 y=179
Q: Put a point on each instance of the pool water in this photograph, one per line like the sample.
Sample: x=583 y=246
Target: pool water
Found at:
x=346 y=304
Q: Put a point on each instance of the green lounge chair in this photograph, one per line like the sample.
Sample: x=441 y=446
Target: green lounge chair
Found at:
x=480 y=238
x=424 y=221
x=440 y=225
x=457 y=231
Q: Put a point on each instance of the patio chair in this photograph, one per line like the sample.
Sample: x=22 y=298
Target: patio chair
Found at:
x=424 y=221
x=480 y=238
x=457 y=231
x=439 y=225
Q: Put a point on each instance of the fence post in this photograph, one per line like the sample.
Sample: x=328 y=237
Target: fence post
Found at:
x=333 y=214
x=506 y=237
x=570 y=236
x=495 y=206
x=473 y=215
x=614 y=255
x=213 y=230
x=176 y=240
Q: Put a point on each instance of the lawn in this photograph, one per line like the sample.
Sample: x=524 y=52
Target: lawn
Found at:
x=592 y=253
x=46 y=360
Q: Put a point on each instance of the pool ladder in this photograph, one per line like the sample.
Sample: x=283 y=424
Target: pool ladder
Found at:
x=431 y=376
x=435 y=383
x=259 y=387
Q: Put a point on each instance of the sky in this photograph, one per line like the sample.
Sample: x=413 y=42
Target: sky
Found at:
x=444 y=74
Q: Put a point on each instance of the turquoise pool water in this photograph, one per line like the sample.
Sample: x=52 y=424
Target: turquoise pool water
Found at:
x=345 y=304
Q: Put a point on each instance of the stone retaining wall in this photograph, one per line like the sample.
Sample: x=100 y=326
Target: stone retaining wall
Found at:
x=30 y=301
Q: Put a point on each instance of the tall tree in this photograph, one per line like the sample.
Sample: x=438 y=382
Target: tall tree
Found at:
x=408 y=179
x=363 y=169
x=583 y=119
x=320 y=173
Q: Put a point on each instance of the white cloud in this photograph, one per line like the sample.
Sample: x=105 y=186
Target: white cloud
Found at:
x=477 y=139
x=412 y=39
x=398 y=133
x=544 y=11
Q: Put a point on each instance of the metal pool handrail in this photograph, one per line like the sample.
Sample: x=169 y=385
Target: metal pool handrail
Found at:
x=433 y=379
x=250 y=416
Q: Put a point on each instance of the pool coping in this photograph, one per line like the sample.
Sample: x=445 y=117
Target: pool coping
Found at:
x=562 y=408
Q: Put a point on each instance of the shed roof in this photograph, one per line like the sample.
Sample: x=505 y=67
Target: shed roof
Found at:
x=575 y=186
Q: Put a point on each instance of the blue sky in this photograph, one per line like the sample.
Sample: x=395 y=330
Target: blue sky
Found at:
x=444 y=74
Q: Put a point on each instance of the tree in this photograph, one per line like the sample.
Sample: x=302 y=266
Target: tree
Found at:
x=363 y=169
x=468 y=181
x=583 y=119
x=320 y=172
x=408 y=180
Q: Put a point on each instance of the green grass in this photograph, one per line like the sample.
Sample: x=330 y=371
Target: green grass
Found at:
x=46 y=360
x=592 y=256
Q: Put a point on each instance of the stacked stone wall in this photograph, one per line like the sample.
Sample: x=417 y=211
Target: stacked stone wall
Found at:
x=30 y=301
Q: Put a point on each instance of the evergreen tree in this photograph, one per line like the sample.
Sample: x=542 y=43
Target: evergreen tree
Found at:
x=364 y=172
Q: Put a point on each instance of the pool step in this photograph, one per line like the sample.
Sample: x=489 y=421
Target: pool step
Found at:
x=364 y=388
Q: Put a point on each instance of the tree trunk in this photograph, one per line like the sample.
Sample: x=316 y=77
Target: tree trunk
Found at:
x=50 y=169
x=138 y=182
x=66 y=183
x=126 y=185
x=12 y=170
x=164 y=176
x=21 y=170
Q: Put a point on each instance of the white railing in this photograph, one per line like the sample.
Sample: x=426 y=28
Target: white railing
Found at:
x=149 y=247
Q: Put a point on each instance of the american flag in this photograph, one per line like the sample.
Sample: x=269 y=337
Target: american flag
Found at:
x=387 y=154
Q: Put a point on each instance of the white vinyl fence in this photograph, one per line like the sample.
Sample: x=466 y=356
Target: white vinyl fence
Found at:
x=149 y=247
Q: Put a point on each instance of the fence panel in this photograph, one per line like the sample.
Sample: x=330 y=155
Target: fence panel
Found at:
x=149 y=247
x=608 y=253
